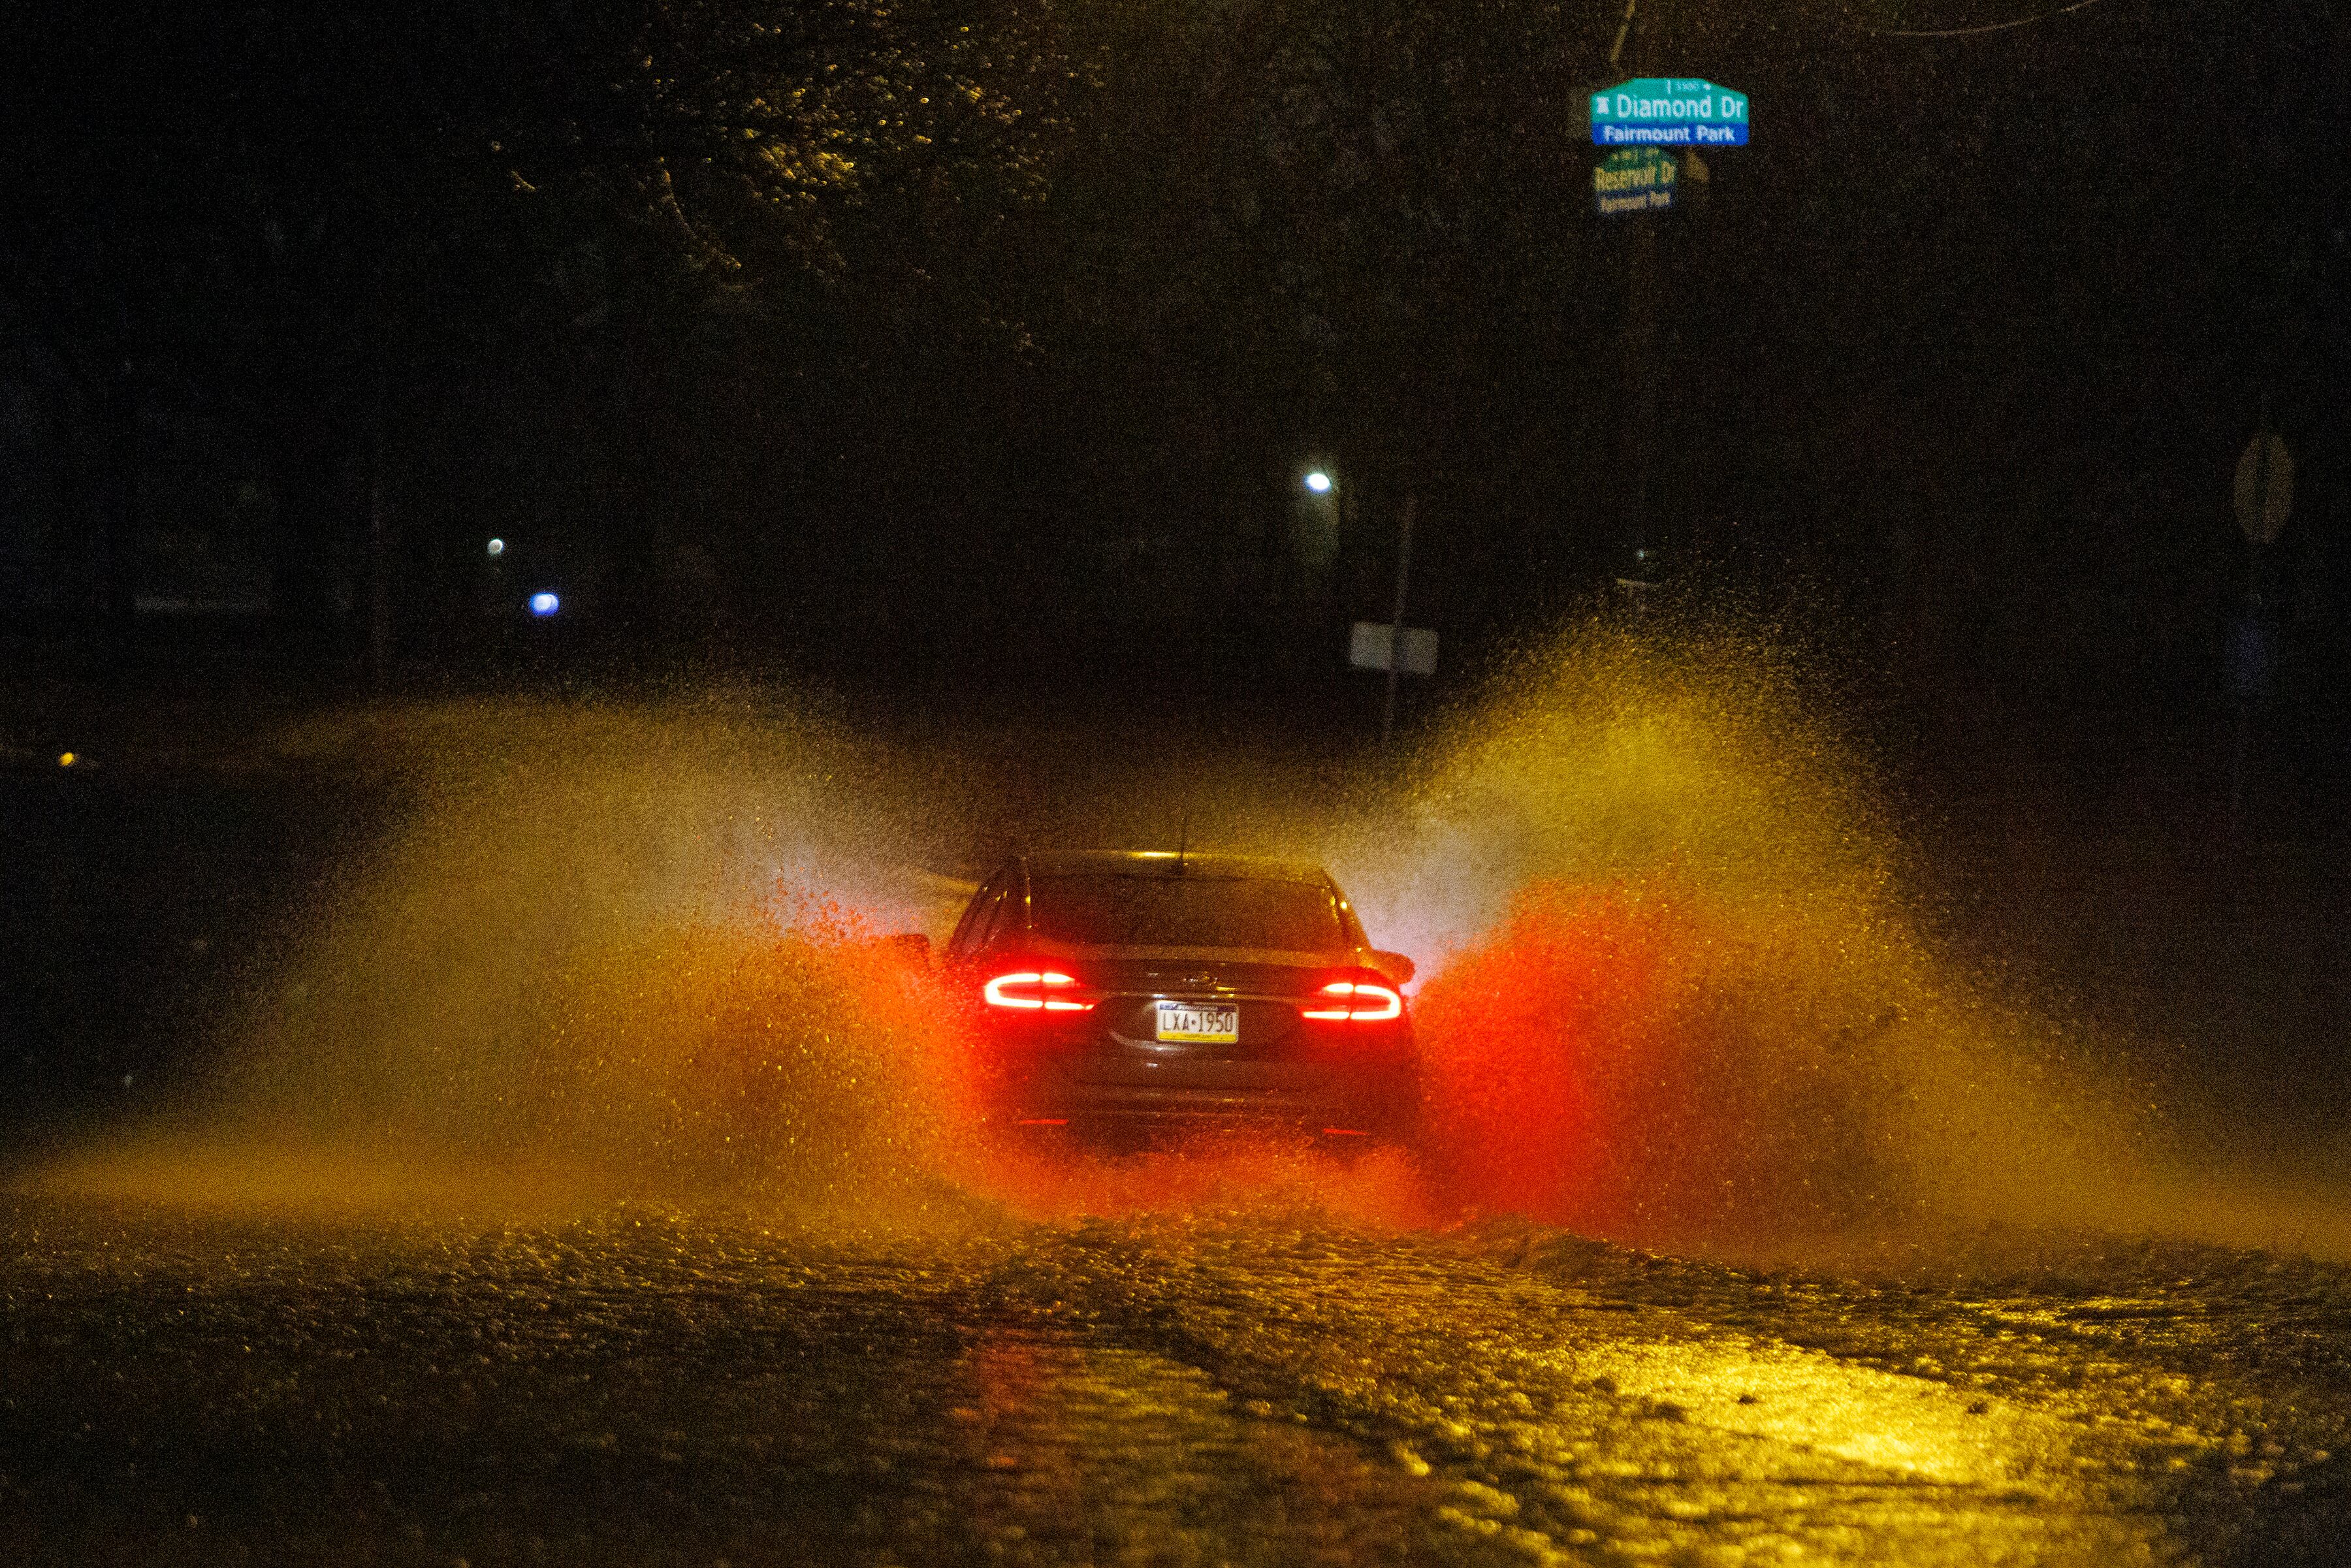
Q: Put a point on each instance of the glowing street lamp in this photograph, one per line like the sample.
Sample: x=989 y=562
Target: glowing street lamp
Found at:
x=544 y=604
x=1314 y=526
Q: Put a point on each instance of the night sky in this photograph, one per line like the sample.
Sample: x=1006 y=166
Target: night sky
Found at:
x=949 y=332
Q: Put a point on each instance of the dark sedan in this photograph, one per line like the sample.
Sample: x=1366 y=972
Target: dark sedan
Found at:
x=1122 y=994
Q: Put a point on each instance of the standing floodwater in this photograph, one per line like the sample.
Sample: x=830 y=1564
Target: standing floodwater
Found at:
x=1261 y=1386
x=588 y=1179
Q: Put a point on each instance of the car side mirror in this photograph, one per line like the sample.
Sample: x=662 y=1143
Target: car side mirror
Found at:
x=911 y=948
x=1394 y=965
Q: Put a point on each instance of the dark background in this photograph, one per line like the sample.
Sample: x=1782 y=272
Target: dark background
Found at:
x=842 y=332
x=950 y=353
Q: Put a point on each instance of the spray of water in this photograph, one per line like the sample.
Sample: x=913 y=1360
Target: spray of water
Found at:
x=1671 y=993
x=1679 y=997
x=605 y=952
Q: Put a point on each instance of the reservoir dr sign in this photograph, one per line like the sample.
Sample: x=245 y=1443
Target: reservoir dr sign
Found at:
x=1635 y=180
x=1668 y=111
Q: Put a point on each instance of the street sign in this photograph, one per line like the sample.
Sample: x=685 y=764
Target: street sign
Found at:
x=1368 y=648
x=2264 y=487
x=1668 y=111
x=1635 y=180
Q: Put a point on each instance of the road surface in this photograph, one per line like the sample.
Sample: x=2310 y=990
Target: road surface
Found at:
x=1272 y=1388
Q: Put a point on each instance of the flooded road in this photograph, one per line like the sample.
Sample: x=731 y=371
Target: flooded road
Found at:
x=1266 y=1386
x=561 y=1170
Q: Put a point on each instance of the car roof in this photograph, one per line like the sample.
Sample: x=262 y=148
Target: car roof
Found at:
x=1193 y=863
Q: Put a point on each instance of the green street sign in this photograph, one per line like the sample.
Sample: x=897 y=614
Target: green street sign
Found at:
x=1668 y=111
x=1635 y=180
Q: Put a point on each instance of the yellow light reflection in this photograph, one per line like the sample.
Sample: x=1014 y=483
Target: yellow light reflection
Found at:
x=1806 y=1399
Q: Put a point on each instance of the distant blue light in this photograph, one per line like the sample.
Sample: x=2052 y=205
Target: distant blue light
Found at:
x=545 y=605
x=1319 y=482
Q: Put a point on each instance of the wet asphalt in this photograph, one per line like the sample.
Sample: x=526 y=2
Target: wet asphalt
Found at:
x=1281 y=1387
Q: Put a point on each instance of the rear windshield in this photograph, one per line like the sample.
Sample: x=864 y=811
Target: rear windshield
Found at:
x=1107 y=909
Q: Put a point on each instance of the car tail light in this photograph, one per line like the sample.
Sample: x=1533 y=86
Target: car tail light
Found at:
x=1363 y=996
x=1037 y=990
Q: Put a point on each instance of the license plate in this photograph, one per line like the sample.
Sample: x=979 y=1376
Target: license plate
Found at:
x=1197 y=1025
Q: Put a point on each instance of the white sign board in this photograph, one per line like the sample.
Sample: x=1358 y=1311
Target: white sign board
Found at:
x=2264 y=487
x=1368 y=648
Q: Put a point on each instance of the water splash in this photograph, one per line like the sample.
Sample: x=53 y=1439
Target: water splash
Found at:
x=1678 y=996
x=1673 y=993
x=1607 y=753
x=603 y=951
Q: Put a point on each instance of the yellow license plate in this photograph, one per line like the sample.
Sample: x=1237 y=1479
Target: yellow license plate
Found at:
x=1195 y=1025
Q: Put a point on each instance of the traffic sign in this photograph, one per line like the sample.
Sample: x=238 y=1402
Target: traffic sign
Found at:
x=1668 y=111
x=1635 y=180
x=2264 y=487
x=1369 y=648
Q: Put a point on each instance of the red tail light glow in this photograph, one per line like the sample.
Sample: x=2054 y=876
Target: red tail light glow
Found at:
x=1035 y=991
x=1359 y=1002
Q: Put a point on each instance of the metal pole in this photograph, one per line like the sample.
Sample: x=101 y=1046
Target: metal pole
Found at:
x=1641 y=371
x=1396 y=626
x=1638 y=342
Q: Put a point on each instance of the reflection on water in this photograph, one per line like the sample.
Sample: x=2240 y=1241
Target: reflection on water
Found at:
x=1111 y=1454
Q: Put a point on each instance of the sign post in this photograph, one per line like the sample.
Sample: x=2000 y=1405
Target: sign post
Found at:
x=1653 y=129
x=1395 y=625
x=1395 y=646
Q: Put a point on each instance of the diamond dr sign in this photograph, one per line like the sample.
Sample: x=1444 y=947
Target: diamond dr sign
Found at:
x=1668 y=111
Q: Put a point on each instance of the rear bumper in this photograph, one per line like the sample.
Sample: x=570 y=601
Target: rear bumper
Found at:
x=1377 y=1099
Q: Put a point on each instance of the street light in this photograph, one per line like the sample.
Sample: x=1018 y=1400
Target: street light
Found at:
x=1314 y=523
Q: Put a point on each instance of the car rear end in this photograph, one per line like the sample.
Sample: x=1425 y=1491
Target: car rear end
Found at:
x=1127 y=999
